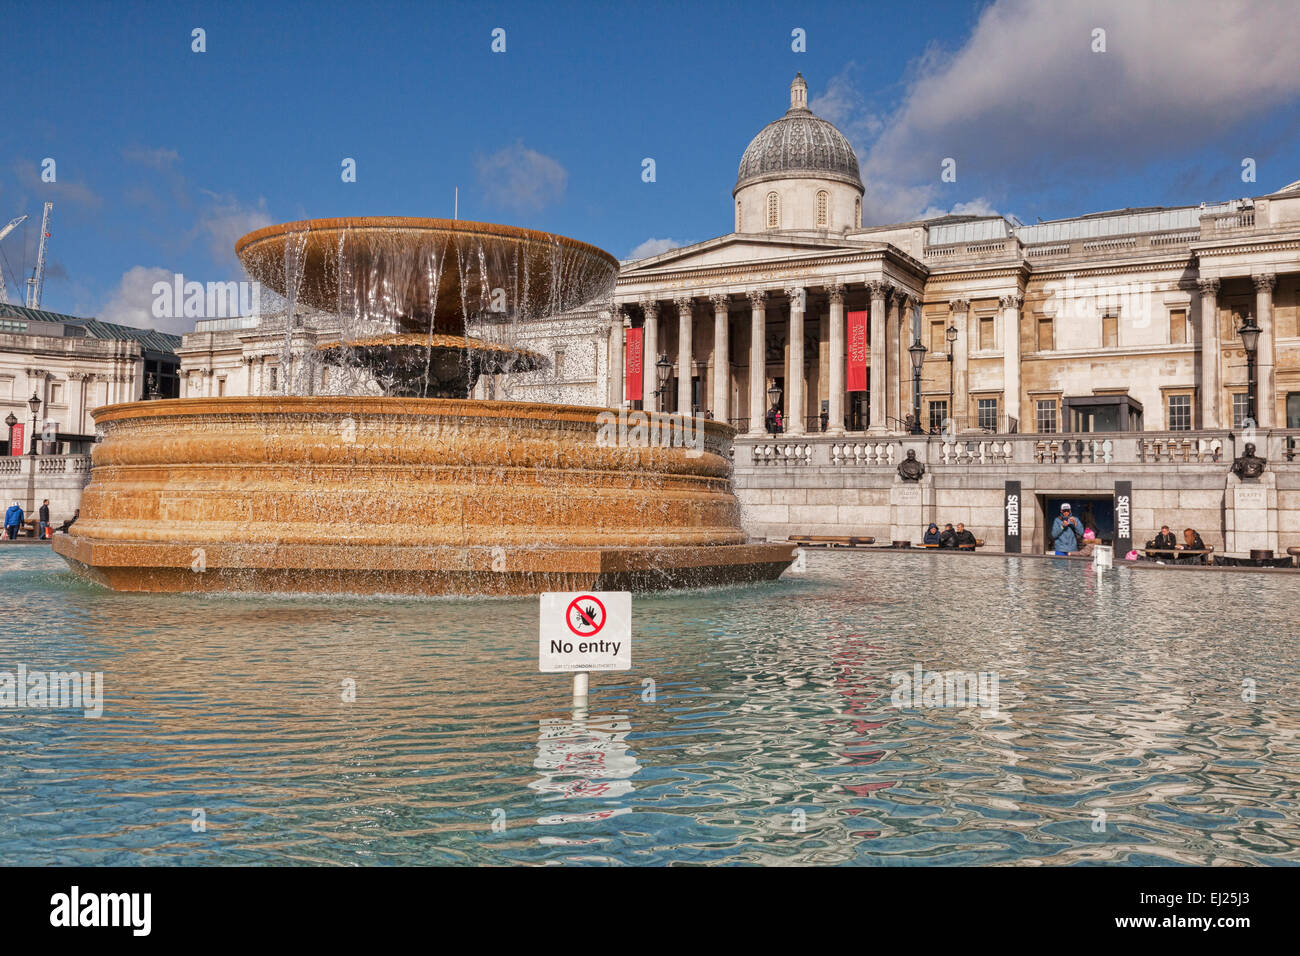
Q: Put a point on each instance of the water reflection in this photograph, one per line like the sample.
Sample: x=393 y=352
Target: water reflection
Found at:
x=1122 y=732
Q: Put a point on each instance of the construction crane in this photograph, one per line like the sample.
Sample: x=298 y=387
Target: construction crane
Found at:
x=13 y=224
x=37 y=280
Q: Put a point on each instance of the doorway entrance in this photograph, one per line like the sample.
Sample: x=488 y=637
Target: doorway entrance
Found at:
x=1093 y=511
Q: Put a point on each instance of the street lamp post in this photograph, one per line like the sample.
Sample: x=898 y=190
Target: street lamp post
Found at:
x=663 y=368
x=917 y=353
x=1249 y=333
x=773 y=396
x=950 y=333
x=10 y=421
x=34 y=403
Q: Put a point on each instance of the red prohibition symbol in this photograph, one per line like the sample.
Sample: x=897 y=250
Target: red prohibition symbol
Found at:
x=584 y=615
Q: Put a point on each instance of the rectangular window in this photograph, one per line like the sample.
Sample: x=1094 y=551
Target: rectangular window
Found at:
x=988 y=414
x=1045 y=336
x=988 y=333
x=938 y=344
x=559 y=364
x=938 y=415
x=1109 y=331
x=1047 y=416
x=273 y=378
x=1180 y=413
x=1240 y=409
x=221 y=388
x=1178 y=327
x=56 y=394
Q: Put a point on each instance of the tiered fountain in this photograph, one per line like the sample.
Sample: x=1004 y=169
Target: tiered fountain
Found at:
x=405 y=486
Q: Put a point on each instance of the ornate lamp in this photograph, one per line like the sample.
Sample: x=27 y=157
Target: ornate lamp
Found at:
x=34 y=403
x=1249 y=333
x=663 y=369
x=917 y=353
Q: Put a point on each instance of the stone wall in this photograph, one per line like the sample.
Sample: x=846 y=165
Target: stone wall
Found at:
x=820 y=485
x=60 y=478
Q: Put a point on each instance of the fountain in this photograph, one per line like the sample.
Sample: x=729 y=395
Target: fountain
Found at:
x=379 y=475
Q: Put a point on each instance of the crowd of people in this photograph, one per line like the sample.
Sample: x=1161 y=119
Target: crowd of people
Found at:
x=16 y=519
x=960 y=539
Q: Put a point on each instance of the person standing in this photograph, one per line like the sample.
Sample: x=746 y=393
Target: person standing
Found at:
x=1066 y=531
x=13 y=520
x=44 y=518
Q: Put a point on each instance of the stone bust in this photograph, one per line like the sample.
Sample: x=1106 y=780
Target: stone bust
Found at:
x=1249 y=466
x=909 y=469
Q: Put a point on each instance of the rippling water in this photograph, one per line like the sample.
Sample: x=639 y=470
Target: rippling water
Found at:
x=766 y=735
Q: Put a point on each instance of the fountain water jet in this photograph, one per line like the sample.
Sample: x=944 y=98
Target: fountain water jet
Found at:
x=416 y=490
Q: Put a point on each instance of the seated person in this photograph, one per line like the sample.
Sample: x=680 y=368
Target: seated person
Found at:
x=1164 y=540
x=68 y=524
x=964 y=538
x=1192 y=541
x=931 y=534
x=948 y=537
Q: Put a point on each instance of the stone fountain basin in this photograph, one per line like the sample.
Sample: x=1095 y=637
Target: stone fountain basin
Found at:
x=402 y=495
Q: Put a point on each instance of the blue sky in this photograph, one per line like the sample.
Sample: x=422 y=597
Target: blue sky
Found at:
x=165 y=156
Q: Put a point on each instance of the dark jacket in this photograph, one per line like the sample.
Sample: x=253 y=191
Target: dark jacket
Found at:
x=932 y=534
x=948 y=539
x=965 y=539
x=45 y=513
x=1165 y=541
x=1197 y=544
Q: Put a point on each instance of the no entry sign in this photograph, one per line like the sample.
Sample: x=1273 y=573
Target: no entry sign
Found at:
x=585 y=631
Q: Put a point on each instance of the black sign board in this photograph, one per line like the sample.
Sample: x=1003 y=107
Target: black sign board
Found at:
x=1123 y=518
x=1011 y=521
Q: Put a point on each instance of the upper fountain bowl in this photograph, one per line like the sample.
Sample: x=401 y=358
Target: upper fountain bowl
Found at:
x=412 y=271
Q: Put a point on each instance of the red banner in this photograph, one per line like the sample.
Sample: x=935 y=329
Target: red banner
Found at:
x=857 y=352
x=632 y=362
x=16 y=448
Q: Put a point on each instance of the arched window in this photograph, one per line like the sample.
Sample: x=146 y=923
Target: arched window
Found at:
x=739 y=219
x=773 y=211
x=823 y=208
x=857 y=214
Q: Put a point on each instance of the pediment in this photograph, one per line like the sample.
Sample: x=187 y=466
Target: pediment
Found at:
x=739 y=248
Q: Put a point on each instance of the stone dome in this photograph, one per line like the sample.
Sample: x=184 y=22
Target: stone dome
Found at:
x=799 y=144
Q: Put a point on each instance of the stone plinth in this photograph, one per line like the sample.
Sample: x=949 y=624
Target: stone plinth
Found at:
x=1250 y=515
x=429 y=496
x=911 y=508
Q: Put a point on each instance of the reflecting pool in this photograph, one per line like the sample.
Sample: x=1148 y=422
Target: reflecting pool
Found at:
x=755 y=727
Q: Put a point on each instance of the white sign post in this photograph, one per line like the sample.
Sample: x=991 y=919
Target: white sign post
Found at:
x=583 y=631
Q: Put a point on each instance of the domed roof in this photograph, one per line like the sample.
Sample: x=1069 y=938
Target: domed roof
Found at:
x=799 y=144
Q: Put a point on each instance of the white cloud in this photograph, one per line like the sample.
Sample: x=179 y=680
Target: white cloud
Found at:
x=520 y=178
x=132 y=302
x=653 y=247
x=1026 y=98
x=976 y=207
x=225 y=220
x=155 y=158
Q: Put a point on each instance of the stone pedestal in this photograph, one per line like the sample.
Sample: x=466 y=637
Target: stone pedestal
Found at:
x=911 y=508
x=1250 y=515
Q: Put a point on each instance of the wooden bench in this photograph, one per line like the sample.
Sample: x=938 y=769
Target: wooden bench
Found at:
x=832 y=540
x=1176 y=553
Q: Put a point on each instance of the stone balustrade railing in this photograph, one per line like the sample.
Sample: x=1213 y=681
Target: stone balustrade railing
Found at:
x=45 y=465
x=1213 y=448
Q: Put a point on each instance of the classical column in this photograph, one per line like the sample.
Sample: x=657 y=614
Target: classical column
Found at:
x=757 y=359
x=1011 y=359
x=835 y=407
x=650 y=355
x=1211 y=398
x=879 y=375
x=1266 y=387
x=721 y=358
x=893 y=355
x=959 y=410
x=685 y=356
x=794 y=381
x=617 y=387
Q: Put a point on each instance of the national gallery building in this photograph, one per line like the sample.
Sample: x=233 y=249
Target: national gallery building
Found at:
x=1137 y=349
